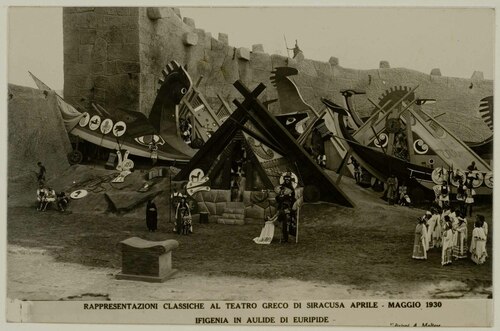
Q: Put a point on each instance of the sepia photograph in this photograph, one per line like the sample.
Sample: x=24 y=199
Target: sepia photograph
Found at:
x=251 y=165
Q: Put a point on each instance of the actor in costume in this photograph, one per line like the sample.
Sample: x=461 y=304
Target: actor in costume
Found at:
x=41 y=196
x=460 y=239
x=62 y=201
x=286 y=198
x=469 y=200
x=431 y=225
x=438 y=230
x=420 y=242
x=151 y=216
x=444 y=195
x=483 y=223
x=478 y=244
x=392 y=186
x=446 y=253
x=183 y=217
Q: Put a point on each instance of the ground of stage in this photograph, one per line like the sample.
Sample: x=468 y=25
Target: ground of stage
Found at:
x=342 y=253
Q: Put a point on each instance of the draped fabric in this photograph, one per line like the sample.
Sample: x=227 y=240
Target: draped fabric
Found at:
x=266 y=235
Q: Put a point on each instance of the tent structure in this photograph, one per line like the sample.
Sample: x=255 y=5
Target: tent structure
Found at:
x=253 y=149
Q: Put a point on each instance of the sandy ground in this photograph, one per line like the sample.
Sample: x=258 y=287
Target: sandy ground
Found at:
x=34 y=275
x=52 y=256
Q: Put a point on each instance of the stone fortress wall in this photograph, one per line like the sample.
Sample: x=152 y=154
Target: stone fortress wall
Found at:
x=114 y=56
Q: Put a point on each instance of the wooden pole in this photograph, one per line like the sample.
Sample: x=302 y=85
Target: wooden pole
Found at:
x=297 y=227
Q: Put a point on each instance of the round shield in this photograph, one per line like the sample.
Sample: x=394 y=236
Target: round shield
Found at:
x=476 y=177
x=488 y=180
x=439 y=175
x=78 y=194
x=84 y=120
x=293 y=178
x=456 y=176
x=95 y=122
x=420 y=147
x=382 y=140
x=106 y=126
x=119 y=128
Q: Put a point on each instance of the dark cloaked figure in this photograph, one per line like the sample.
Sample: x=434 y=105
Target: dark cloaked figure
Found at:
x=285 y=199
x=41 y=173
x=151 y=216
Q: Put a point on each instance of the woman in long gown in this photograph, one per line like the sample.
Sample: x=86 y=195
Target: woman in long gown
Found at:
x=431 y=225
x=478 y=244
x=151 y=216
x=267 y=232
x=420 y=242
x=446 y=253
x=483 y=223
x=460 y=242
x=437 y=232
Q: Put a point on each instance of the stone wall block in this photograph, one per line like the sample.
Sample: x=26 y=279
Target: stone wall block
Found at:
x=127 y=67
x=278 y=61
x=243 y=53
x=223 y=38
x=87 y=36
x=86 y=20
x=216 y=44
x=85 y=53
x=114 y=35
x=190 y=38
x=261 y=61
x=100 y=50
x=123 y=11
x=177 y=11
x=189 y=22
x=258 y=48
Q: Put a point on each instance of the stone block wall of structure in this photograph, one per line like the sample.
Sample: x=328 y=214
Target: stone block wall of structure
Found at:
x=115 y=56
x=101 y=57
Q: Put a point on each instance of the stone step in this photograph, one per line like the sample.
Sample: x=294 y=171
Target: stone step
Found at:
x=222 y=220
x=235 y=205
x=234 y=210
x=233 y=216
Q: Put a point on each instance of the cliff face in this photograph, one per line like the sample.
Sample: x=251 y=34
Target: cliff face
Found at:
x=114 y=56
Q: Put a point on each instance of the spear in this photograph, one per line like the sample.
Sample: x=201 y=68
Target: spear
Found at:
x=286 y=46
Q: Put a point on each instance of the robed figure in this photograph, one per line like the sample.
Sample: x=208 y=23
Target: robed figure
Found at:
x=151 y=216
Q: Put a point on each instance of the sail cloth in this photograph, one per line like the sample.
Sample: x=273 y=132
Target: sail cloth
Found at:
x=69 y=114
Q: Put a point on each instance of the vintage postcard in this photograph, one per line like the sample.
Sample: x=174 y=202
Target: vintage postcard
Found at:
x=265 y=166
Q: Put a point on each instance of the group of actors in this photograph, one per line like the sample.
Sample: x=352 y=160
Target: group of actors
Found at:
x=183 y=220
x=47 y=196
x=442 y=228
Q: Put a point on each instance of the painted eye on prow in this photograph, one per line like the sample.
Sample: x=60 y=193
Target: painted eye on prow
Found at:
x=183 y=90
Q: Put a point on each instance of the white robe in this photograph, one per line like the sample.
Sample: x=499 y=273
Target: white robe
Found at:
x=437 y=233
x=431 y=227
x=478 y=246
